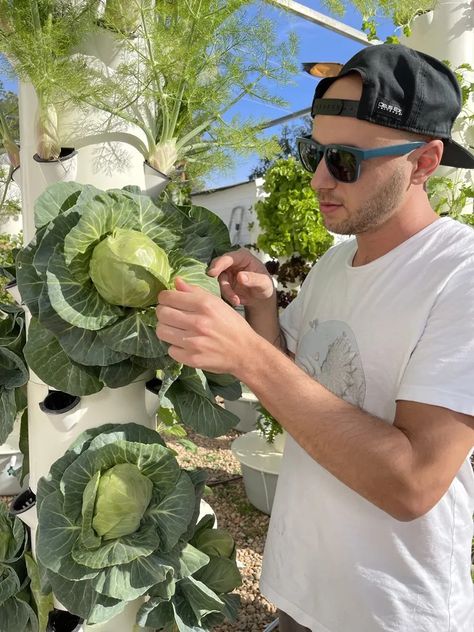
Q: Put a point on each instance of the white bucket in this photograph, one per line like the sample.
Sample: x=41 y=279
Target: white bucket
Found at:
x=260 y=464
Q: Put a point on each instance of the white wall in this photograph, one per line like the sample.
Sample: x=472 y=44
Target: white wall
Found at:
x=234 y=205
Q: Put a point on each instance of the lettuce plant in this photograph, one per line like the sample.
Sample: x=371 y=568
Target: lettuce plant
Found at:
x=90 y=279
x=117 y=521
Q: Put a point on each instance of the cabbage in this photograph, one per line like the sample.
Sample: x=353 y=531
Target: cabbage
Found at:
x=129 y=269
x=117 y=521
x=123 y=495
x=91 y=279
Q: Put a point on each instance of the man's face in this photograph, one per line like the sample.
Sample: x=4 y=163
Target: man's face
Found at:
x=351 y=209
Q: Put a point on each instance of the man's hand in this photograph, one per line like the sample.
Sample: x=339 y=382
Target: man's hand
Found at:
x=203 y=331
x=243 y=278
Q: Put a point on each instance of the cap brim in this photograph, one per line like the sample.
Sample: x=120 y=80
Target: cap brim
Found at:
x=455 y=155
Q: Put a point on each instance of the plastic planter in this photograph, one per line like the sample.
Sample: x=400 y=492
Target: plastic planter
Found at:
x=260 y=464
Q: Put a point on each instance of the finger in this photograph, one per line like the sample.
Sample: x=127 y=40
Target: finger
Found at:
x=183 y=300
x=182 y=286
x=227 y=290
x=262 y=283
x=224 y=262
x=173 y=317
x=172 y=335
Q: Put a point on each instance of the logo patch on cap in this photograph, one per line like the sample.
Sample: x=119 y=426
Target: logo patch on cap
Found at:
x=389 y=109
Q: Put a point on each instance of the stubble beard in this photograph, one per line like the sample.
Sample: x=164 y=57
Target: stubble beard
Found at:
x=375 y=211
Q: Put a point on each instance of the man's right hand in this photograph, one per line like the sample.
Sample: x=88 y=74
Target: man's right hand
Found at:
x=243 y=278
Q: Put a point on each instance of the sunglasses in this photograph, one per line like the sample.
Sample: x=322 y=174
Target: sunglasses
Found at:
x=344 y=162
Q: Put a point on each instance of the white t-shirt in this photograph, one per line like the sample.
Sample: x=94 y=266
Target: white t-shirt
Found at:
x=400 y=327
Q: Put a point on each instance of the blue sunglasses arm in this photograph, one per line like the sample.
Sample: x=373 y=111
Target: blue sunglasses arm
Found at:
x=390 y=150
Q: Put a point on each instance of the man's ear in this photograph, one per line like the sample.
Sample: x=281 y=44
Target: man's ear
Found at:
x=426 y=161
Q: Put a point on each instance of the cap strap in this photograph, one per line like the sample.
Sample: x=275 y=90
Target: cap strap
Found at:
x=334 y=107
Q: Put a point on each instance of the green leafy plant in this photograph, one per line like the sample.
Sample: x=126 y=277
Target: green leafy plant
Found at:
x=289 y=218
x=117 y=521
x=93 y=304
x=401 y=12
x=291 y=226
x=18 y=611
x=198 y=59
x=267 y=425
x=451 y=194
x=38 y=38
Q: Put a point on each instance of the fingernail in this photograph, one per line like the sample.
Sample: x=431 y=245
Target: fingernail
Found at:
x=244 y=278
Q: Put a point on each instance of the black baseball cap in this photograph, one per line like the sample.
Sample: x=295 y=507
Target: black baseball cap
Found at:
x=405 y=89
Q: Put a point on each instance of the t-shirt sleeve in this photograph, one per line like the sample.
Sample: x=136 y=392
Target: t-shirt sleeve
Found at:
x=440 y=370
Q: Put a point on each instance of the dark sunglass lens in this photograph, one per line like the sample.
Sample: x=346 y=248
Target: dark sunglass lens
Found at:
x=341 y=164
x=310 y=156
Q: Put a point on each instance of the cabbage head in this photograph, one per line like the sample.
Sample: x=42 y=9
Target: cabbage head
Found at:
x=129 y=269
x=116 y=517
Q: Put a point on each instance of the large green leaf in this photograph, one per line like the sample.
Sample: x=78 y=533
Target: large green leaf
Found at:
x=135 y=336
x=173 y=514
x=121 y=373
x=54 y=200
x=81 y=598
x=132 y=580
x=56 y=537
x=100 y=217
x=9 y=583
x=193 y=272
x=13 y=372
x=220 y=575
x=161 y=223
x=29 y=282
x=16 y=615
x=224 y=385
x=78 y=304
x=123 y=550
x=51 y=363
x=206 y=235
x=44 y=603
x=200 y=412
x=7 y=412
x=53 y=235
x=202 y=599
x=81 y=345
x=156 y=613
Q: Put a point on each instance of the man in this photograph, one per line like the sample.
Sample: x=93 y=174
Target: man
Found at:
x=371 y=526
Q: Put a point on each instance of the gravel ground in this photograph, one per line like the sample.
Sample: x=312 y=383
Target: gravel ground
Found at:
x=247 y=525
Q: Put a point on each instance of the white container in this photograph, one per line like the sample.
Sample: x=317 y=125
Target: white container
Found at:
x=260 y=465
x=123 y=622
x=155 y=181
x=52 y=433
x=246 y=410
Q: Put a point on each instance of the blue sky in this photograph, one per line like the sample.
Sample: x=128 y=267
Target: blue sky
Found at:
x=315 y=44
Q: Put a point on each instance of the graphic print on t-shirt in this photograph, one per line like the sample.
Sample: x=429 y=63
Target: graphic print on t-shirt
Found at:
x=328 y=352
